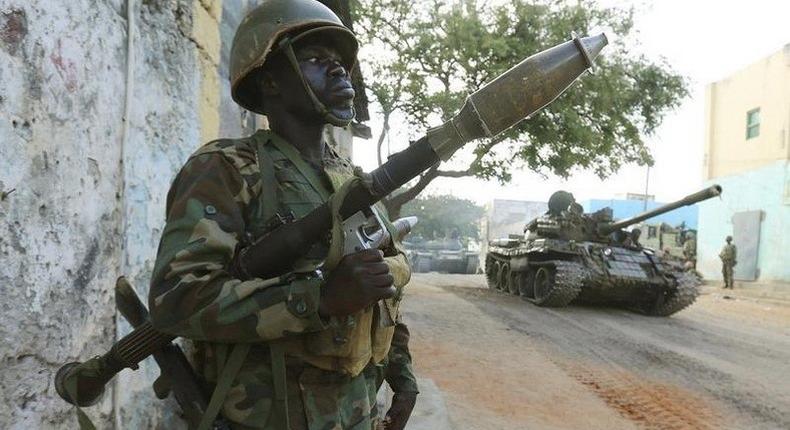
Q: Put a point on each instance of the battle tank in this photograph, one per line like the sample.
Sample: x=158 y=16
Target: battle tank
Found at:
x=567 y=255
x=443 y=255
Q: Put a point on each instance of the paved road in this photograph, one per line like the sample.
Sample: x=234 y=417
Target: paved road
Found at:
x=504 y=363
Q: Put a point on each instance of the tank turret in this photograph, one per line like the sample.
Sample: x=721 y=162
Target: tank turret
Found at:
x=570 y=223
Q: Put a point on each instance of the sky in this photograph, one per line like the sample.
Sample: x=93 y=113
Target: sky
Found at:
x=704 y=40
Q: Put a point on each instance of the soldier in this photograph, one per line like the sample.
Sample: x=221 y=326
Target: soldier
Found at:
x=559 y=202
x=729 y=258
x=690 y=251
x=296 y=351
x=398 y=373
x=634 y=237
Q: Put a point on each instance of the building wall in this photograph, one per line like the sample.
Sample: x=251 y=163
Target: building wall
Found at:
x=766 y=189
x=505 y=217
x=627 y=208
x=765 y=85
x=90 y=179
x=83 y=181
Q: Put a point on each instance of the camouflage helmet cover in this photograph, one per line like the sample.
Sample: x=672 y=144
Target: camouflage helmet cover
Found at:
x=265 y=25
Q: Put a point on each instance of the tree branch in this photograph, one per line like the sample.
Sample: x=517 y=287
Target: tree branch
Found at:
x=454 y=173
x=384 y=130
x=395 y=202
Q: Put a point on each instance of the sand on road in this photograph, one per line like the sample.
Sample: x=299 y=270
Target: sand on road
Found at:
x=503 y=363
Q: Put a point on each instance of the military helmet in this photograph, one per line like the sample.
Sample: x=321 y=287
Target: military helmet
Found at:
x=729 y=239
x=559 y=201
x=267 y=27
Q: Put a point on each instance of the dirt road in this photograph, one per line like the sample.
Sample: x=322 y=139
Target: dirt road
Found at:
x=503 y=363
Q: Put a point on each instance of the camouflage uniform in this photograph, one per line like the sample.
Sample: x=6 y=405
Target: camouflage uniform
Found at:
x=728 y=256
x=690 y=251
x=213 y=207
x=397 y=369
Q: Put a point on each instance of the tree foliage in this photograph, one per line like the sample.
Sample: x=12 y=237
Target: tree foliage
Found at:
x=440 y=216
x=431 y=54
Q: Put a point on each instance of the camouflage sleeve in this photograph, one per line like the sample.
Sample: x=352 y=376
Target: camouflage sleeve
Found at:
x=399 y=371
x=192 y=293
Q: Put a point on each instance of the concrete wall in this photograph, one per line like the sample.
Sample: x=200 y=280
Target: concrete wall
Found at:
x=627 y=208
x=88 y=203
x=505 y=217
x=766 y=189
x=764 y=85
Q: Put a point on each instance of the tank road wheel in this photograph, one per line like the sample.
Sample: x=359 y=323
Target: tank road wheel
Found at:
x=492 y=271
x=543 y=284
x=527 y=285
x=503 y=279
x=676 y=300
x=514 y=283
x=556 y=285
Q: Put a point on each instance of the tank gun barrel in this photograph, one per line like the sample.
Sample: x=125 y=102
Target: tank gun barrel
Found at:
x=690 y=199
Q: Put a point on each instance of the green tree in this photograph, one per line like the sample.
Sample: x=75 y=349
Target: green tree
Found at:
x=431 y=54
x=440 y=216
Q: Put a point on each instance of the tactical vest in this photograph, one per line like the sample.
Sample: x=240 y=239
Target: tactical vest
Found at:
x=290 y=185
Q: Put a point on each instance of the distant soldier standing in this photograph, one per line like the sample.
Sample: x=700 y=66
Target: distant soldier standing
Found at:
x=690 y=251
x=728 y=256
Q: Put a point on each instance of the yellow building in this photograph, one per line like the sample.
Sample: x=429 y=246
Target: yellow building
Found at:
x=747 y=152
x=748 y=117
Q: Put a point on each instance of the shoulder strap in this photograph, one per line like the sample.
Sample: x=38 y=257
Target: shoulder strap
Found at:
x=270 y=191
x=225 y=381
x=279 y=378
x=309 y=173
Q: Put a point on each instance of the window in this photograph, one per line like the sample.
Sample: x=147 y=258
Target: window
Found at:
x=753 y=123
x=652 y=231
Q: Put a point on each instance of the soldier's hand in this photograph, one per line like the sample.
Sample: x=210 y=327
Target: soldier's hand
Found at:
x=359 y=280
x=400 y=411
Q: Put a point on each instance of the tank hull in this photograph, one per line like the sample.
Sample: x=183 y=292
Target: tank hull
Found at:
x=589 y=272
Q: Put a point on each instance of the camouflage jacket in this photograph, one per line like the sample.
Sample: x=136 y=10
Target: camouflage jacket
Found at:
x=690 y=248
x=729 y=253
x=211 y=211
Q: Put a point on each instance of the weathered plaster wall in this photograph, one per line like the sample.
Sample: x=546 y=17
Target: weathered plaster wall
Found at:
x=60 y=129
x=87 y=206
x=89 y=184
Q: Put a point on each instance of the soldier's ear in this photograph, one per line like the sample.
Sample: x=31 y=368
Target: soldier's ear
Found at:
x=268 y=84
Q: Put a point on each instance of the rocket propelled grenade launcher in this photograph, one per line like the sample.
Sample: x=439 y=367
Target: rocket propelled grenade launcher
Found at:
x=499 y=105
x=516 y=94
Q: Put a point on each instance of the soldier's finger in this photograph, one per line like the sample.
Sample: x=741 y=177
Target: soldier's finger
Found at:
x=377 y=269
x=381 y=281
x=384 y=293
x=370 y=255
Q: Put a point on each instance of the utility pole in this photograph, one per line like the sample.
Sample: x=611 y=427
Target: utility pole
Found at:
x=647 y=187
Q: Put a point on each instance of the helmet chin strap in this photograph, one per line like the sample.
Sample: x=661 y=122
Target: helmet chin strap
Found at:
x=286 y=44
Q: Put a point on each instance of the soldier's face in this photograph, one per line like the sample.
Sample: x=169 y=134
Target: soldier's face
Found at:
x=322 y=68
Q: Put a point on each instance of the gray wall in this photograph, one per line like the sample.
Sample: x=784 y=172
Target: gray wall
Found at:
x=88 y=206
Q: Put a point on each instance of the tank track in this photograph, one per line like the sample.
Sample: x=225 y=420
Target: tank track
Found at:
x=686 y=293
x=568 y=279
